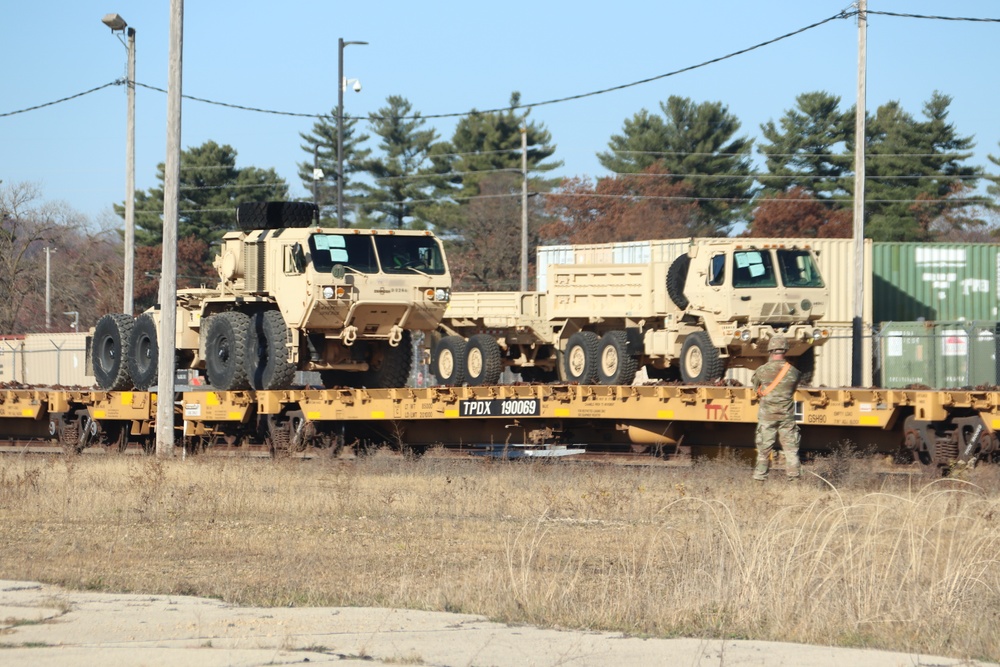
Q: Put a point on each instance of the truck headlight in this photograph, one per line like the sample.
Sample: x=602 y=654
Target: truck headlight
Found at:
x=327 y=292
x=745 y=335
x=442 y=294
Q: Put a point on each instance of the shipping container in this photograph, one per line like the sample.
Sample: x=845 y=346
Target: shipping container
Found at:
x=939 y=355
x=836 y=262
x=45 y=360
x=935 y=281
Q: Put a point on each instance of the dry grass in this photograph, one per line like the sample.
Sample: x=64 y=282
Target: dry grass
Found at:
x=900 y=562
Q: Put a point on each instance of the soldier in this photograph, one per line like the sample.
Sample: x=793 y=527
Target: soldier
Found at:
x=775 y=383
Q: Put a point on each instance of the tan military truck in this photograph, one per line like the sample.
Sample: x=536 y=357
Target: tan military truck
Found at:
x=710 y=309
x=291 y=296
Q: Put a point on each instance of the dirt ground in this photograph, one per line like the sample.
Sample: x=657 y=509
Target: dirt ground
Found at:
x=43 y=625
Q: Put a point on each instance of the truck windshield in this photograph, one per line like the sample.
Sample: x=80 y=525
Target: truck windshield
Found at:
x=753 y=268
x=410 y=254
x=354 y=251
x=798 y=269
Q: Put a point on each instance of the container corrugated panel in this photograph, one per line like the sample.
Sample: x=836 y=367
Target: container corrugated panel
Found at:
x=834 y=360
x=935 y=281
x=55 y=359
x=907 y=352
x=836 y=262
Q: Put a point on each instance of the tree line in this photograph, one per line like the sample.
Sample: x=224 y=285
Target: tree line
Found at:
x=686 y=169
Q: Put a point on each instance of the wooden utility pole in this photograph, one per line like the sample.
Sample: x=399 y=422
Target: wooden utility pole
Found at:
x=171 y=202
x=859 y=201
x=524 y=209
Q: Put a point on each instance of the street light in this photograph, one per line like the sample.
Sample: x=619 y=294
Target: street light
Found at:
x=118 y=24
x=341 y=86
x=76 y=318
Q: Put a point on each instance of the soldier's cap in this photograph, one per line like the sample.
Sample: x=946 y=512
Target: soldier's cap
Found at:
x=778 y=344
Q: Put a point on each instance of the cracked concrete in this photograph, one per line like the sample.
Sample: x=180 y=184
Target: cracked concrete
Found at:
x=43 y=625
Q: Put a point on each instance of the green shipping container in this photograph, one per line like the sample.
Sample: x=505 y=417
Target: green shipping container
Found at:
x=940 y=355
x=906 y=353
x=935 y=281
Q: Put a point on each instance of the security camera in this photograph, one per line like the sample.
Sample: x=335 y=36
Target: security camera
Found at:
x=357 y=86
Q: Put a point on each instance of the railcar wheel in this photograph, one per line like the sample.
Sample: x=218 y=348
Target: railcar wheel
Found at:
x=581 y=357
x=144 y=352
x=483 y=361
x=226 y=340
x=448 y=361
x=616 y=365
x=110 y=352
x=267 y=365
x=700 y=360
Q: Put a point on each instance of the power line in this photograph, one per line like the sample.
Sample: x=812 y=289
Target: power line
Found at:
x=840 y=15
x=936 y=18
x=65 y=99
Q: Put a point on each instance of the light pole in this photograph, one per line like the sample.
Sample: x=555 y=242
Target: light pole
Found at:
x=76 y=319
x=118 y=24
x=341 y=85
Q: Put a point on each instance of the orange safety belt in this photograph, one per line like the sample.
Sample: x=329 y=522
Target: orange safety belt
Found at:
x=774 y=383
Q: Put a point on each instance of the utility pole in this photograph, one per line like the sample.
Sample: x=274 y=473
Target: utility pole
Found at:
x=524 y=209
x=317 y=174
x=129 y=289
x=48 y=287
x=171 y=201
x=857 y=328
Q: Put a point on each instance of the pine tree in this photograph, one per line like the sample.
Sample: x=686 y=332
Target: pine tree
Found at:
x=211 y=186
x=405 y=175
x=695 y=143
x=321 y=147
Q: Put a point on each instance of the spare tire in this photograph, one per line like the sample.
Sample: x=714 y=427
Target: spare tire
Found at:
x=676 y=278
x=275 y=215
x=110 y=351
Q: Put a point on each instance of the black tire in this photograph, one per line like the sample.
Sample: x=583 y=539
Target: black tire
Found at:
x=448 y=361
x=676 y=278
x=483 y=361
x=806 y=364
x=615 y=363
x=267 y=364
x=390 y=366
x=274 y=215
x=580 y=358
x=226 y=338
x=110 y=352
x=700 y=360
x=144 y=352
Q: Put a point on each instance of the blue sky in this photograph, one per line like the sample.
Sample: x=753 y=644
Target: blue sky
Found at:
x=448 y=57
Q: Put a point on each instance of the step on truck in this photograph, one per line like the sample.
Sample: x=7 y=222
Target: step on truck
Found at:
x=291 y=296
x=710 y=309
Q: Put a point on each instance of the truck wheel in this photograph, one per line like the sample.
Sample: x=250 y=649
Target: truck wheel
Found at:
x=616 y=365
x=676 y=277
x=700 y=360
x=393 y=369
x=267 y=364
x=226 y=339
x=144 y=352
x=806 y=364
x=581 y=357
x=483 y=364
x=110 y=351
x=448 y=361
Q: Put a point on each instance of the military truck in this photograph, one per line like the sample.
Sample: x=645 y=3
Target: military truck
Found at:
x=291 y=296
x=713 y=308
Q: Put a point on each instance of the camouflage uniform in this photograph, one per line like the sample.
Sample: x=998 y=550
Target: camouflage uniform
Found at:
x=776 y=419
